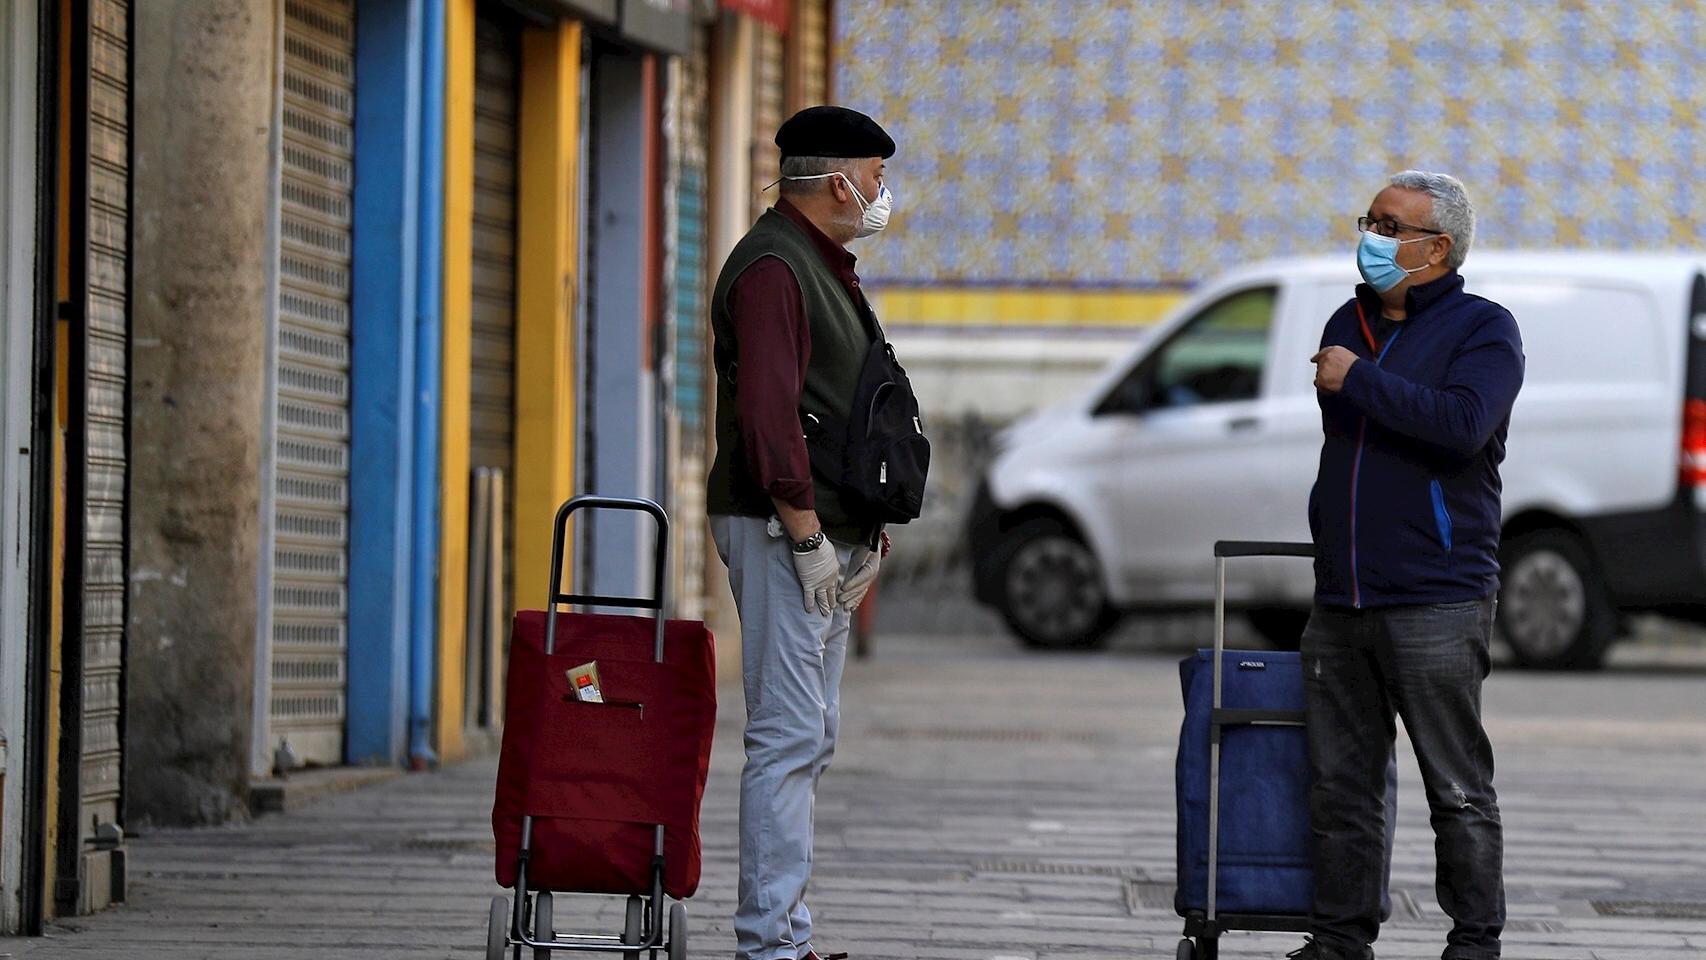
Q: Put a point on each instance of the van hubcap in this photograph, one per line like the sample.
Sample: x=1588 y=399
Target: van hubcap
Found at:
x=1055 y=587
x=1545 y=604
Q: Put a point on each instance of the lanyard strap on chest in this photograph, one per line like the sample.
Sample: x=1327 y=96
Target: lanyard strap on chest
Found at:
x=1374 y=346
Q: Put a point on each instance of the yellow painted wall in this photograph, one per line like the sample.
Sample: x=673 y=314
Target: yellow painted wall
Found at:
x=455 y=374
x=546 y=292
x=950 y=306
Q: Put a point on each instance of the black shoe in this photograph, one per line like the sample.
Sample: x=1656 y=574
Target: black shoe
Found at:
x=1316 y=950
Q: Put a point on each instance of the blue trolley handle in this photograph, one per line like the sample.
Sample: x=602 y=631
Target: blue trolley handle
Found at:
x=660 y=566
x=1223 y=550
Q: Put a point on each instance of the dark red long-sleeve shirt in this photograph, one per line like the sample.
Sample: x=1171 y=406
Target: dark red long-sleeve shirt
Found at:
x=773 y=345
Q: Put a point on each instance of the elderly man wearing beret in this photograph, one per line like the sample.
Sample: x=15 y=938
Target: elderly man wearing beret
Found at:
x=792 y=329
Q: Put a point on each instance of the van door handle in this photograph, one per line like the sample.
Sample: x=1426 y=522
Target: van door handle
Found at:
x=1243 y=424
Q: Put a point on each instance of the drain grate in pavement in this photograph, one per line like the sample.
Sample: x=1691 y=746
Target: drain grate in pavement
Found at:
x=1057 y=869
x=990 y=735
x=447 y=844
x=1658 y=909
x=1143 y=896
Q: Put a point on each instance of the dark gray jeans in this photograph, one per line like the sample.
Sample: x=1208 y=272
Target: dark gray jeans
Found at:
x=1425 y=664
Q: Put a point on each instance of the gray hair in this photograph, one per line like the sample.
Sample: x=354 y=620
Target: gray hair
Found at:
x=811 y=167
x=1453 y=214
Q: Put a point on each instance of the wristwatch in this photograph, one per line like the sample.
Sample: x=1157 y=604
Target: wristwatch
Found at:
x=810 y=543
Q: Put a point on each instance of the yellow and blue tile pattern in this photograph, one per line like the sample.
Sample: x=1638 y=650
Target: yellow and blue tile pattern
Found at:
x=1085 y=145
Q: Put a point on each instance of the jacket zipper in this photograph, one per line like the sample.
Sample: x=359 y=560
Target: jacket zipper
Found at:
x=1356 y=468
x=1356 y=473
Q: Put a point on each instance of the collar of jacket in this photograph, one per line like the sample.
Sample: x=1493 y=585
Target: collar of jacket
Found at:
x=1417 y=299
x=839 y=258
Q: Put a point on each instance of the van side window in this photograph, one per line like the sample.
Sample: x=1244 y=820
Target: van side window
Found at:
x=1217 y=357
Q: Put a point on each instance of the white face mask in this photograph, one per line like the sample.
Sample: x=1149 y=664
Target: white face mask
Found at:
x=875 y=214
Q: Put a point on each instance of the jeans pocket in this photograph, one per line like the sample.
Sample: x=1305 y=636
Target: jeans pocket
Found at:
x=1459 y=607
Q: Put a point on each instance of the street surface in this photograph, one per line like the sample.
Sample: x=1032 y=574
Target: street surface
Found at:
x=985 y=803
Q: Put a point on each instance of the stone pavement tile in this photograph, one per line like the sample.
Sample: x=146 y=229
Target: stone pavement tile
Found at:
x=984 y=804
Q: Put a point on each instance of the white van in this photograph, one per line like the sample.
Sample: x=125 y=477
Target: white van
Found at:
x=1111 y=503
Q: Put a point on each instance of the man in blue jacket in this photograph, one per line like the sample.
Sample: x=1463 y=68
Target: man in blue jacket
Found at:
x=1416 y=380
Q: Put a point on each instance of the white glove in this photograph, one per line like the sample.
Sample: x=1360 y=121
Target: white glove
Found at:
x=818 y=572
x=858 y=582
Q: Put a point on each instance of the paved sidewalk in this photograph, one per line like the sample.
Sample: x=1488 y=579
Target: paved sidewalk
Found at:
x=985 y=804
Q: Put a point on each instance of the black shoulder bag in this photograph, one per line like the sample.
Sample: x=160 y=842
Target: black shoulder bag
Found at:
x=878 y=460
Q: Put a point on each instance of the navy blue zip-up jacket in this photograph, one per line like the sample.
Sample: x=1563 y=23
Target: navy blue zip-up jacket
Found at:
x=1406 y=507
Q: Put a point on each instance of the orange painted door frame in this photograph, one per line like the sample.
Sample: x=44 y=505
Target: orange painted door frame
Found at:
x=456 y=345
x=547 y=293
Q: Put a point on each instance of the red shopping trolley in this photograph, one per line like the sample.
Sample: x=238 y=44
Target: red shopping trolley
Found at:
x=602 y=797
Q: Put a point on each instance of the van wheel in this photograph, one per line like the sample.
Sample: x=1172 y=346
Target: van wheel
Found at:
x=1553 y=610
x=1280 y=626
x=1052 y=592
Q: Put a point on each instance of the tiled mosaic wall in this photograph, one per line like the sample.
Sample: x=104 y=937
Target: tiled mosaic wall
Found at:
x=1098 y=143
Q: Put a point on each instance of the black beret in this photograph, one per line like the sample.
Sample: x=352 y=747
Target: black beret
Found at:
x=833 y=132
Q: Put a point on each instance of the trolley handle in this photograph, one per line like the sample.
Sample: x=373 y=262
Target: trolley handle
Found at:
x=1262 y=548
x=1221 y=717
x=1228 y=549
x=660 y=564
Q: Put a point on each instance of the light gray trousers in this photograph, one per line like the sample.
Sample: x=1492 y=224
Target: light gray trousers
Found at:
x=792 y=660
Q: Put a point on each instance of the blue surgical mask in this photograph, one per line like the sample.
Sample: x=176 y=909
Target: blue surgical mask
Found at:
x=1377 y=259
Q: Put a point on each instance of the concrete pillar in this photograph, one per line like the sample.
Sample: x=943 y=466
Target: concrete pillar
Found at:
x=733 y=45
x=202 y=193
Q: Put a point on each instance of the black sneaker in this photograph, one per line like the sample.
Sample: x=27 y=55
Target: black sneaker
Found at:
x=1315 y=950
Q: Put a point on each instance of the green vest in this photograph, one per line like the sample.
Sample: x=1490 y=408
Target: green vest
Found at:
x=840 y=338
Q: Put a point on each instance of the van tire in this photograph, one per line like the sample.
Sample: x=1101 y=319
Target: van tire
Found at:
x=1554 y=611
x=1051 y=589
x=1281 y=627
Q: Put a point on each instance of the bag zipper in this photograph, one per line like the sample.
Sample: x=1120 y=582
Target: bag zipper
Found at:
x=620 y=704
x=877 y=397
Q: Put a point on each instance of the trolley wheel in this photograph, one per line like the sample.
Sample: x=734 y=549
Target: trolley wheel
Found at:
x=634 y=927
x=678 y=931
x=497 y=929
x=542 y=928
x=1187 y=951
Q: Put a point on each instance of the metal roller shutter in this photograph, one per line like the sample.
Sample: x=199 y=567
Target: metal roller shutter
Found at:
x=811 y=32
x=311 y=486
x=96 y=555
x=767 y=102
x=690 y=310
x=492 y=417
